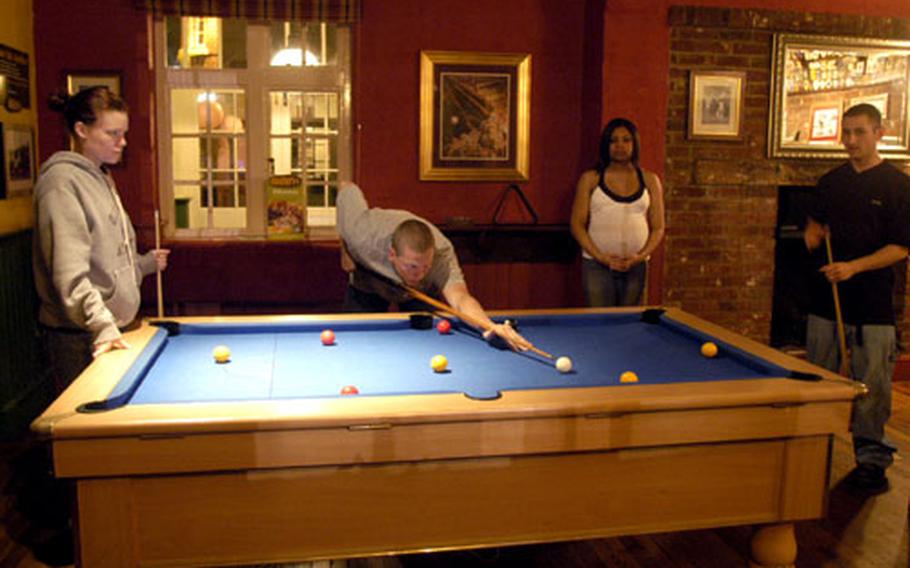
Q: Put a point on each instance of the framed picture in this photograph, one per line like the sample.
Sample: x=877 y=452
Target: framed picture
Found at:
x=715 y=104
x=825 y=124
x=815 y=79
x=879 y=101
x=19 y=159
x=78 y=80
x=475 y=114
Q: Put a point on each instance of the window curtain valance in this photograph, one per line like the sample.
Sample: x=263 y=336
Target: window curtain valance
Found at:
x=336 y=11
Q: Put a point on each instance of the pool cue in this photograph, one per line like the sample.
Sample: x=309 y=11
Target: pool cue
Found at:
x=157 y=269
x=442 y=306
x=841 y=336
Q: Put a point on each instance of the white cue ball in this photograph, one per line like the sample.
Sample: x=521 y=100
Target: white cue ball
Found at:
x=564 y=364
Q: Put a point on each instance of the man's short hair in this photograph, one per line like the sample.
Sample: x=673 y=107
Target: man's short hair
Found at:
x=414 y=234
x=867 y=110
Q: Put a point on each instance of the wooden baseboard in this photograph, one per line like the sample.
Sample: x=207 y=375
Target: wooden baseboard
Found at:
x=902 y=368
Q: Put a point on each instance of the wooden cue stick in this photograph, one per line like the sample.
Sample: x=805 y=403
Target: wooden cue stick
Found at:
x=160 y=290
x=462 y=316
x=841 y=336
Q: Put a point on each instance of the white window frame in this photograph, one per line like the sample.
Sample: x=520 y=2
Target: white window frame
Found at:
x=257 y=81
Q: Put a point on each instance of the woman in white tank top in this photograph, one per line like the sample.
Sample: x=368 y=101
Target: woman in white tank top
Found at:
x=617 y=218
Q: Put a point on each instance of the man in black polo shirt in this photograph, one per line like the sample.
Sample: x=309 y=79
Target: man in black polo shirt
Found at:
x=864 y=205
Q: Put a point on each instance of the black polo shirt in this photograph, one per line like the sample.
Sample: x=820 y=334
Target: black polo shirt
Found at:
x=865 y=211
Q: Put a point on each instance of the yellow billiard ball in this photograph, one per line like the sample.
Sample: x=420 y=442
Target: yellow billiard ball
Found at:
x=628 y=377
x=439 y=363
x=709 y=349
x=221 y=354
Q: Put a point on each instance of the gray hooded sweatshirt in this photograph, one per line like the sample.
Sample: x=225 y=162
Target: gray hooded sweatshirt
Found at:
x=87 y=271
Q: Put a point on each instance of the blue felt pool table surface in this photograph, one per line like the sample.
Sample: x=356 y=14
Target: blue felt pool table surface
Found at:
x=388 y=357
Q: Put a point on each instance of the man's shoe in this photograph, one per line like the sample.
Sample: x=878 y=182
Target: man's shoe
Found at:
x=868 y=478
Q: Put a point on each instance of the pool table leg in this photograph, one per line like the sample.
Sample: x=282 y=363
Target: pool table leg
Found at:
x=773 y=545
x=105 y=524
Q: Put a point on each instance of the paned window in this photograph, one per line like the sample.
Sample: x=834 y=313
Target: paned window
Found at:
x=240 y=102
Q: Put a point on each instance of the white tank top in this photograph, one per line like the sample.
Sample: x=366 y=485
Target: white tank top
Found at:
x=618 y=225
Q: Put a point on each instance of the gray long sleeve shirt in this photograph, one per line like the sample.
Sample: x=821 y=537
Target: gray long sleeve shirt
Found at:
x=367 y=234
x=87 y=270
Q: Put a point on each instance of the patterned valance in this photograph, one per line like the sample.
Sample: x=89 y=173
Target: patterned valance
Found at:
x=338 y=11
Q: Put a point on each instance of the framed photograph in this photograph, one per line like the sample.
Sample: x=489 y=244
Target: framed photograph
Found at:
x=2 y=167
x=715 y=104
x=815 y=78
x=475 y=114
x=19 y=159
x=15 y=70
x=78 y=80
x=825 y=124
x=879 y=101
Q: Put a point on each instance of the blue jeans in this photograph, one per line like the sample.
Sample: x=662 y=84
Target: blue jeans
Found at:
x=872 y=362
x=606 y=288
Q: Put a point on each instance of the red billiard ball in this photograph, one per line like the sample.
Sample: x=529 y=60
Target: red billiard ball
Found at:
x=350 y=389
x=444 y=326
x=327 y=337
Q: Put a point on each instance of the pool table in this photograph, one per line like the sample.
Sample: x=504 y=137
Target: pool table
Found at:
x=180 y=460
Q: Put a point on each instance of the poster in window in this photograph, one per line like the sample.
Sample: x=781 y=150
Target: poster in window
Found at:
x=286 y=207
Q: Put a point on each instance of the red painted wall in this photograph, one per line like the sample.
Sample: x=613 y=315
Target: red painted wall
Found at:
x=564 y=106
x=102 y=35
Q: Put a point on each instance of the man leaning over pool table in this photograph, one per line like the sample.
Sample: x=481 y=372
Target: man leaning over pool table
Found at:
x=382 y=247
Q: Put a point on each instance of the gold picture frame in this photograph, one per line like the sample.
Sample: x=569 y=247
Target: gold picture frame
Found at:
x=475 y=115
x=815 y=78
x=716 y=104
x=78 y=80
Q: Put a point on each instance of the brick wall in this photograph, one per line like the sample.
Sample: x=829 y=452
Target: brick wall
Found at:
x=722 y=195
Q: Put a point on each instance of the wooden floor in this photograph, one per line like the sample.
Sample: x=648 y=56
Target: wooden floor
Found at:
x=857 y=533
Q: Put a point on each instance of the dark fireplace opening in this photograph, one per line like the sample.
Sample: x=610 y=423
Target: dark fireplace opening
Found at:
x=790 y=300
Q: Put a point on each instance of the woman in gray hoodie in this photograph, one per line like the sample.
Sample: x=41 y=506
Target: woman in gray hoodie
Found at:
x=87 y=269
